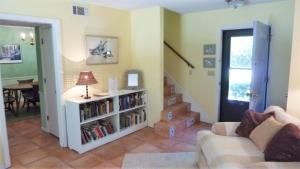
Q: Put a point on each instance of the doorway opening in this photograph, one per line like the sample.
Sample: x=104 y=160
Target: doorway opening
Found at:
x=244 y=72
x=236 y=73
x=39 y=95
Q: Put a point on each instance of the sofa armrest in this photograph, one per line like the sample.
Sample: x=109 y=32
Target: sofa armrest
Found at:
x=225 y=128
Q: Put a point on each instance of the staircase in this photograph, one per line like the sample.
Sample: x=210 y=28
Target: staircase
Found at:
x=176 y=116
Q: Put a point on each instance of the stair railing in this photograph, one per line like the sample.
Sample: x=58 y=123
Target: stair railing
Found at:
x=179 y=55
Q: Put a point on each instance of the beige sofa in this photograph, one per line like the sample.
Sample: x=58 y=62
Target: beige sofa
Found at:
x=221 y=148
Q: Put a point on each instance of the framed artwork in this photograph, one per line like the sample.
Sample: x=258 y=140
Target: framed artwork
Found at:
x=101 y=50
x=209 y=49
x=10 y=53
x=209 y=62
x=133 y=79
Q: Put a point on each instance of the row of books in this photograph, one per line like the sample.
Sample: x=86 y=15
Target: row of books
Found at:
x=131 y=100
x=94 y=109
x=132 y=118
x=96 y=130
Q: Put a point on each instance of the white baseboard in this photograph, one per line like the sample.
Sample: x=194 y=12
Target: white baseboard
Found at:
x=188 y=98
x=45 y=129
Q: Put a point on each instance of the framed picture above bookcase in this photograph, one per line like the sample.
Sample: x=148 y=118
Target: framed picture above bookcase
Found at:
x=100 y=120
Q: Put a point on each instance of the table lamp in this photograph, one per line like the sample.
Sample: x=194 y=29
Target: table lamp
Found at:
x=86 y=78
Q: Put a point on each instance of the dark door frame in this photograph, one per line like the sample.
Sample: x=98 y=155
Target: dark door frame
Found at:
x=223 y=78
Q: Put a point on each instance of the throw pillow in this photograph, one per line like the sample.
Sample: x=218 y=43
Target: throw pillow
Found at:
x=285 y=145
x=250 y=120
x=264 y=132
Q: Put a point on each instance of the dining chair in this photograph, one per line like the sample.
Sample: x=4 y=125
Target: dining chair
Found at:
x=32 y=97
x=24 y=91
x=9 y=101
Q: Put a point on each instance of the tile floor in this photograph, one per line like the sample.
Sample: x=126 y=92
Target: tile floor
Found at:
x=31 y=148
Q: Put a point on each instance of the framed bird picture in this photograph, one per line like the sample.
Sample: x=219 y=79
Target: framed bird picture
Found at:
x=101 y=50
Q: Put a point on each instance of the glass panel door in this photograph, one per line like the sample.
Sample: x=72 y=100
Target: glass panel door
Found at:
x=240 y=69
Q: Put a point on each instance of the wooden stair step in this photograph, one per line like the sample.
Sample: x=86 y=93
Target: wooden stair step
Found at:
x=172 y=100
x=173 y=111
x=169 y=90
x=190 y=118
x=169 y=129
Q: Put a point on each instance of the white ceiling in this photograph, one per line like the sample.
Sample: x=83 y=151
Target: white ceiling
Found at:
x=181 y=6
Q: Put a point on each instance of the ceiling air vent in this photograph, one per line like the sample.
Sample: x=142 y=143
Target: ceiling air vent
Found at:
x=79 y=10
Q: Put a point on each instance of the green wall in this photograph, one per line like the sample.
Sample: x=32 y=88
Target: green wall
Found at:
x=11 y=35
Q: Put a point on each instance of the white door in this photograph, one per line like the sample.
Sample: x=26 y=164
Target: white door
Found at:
x=260 y=62
x=49 y=80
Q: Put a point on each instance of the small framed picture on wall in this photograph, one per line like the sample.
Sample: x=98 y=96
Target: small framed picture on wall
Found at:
x=209 y=62
x=209 y=49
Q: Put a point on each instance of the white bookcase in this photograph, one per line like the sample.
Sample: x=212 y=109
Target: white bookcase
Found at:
x=79 y=118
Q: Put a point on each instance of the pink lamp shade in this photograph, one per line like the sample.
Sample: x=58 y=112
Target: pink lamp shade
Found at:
x=86 y=78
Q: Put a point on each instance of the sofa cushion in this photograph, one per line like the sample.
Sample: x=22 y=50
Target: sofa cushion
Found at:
x=285 y=145
x=225 y=128
x=227 y=152
x=250 y=120
x=264 y=132
x=282 y=116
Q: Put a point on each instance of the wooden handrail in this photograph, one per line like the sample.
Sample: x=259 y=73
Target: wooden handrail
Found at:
x=179 y=55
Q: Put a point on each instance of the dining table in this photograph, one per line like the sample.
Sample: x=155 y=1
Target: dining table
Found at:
x=17 y=88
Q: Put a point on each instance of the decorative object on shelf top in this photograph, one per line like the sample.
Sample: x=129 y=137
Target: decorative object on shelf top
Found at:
x=31 y=38
x=133 y=79
x=236 y=3
x=86 y=78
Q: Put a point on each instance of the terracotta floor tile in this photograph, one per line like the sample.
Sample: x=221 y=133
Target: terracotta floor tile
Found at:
x=17 y=140
x=33 y=148
x=118 y=161
x=65 y=154
x=35 y=133
x=87 y=161
x=48 y=163
x=146 y=148
x=44 y=140
x=164 y=142
x=110 y=151
x=106 y=165
x=130 y=143
x=31 y=156
x=183 y=147
x=23 y=148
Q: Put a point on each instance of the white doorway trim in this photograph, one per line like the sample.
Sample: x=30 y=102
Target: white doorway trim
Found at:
x=219 y=62
x=59 y=83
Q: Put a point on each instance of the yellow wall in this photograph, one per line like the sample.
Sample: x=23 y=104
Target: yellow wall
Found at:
x=100 y=21
x=197 y=29
x=147 y=52
x=294 y=86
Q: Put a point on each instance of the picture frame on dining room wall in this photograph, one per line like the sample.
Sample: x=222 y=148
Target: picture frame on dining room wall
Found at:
x=10 y=53
x=101 y=50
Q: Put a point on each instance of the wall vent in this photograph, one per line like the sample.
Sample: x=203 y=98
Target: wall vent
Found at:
x=79 y=10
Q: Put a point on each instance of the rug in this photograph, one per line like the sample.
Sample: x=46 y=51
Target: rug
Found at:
x=183 y=160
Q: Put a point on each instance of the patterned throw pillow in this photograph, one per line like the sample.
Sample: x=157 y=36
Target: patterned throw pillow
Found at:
x=250 y=120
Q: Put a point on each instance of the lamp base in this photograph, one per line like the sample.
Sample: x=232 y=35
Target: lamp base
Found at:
x=87 y=92
x=87 y=97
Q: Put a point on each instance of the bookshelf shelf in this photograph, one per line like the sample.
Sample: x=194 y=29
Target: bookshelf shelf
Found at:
x=134 y=108
x=88 y=126
x=98 y=118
